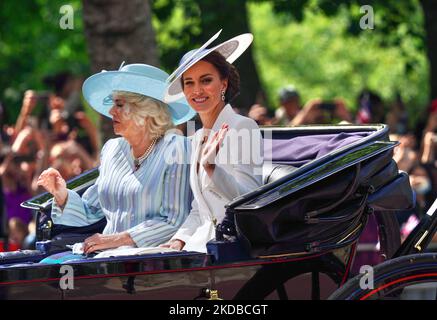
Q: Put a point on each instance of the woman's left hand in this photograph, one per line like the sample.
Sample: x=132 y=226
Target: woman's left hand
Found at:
x=100 y=241
x=173 y=244
x=211 y=149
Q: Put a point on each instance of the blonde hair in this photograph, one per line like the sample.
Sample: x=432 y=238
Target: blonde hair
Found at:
x=146 y=111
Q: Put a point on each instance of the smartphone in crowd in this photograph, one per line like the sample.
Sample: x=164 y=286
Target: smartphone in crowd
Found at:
x=41 y=111
x=42 y=104
x=327 y=106
x=327 y=109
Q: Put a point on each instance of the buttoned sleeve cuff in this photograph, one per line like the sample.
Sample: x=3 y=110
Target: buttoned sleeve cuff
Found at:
x=135 y=234
x=72 y=211
x=141 y=234
x=183 y=235
x=189 y=227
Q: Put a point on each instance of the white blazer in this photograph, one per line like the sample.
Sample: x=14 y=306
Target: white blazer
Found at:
x=238 y=170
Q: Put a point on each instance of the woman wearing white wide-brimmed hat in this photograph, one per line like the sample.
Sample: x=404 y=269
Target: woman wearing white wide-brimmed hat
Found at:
x=142 y=188
x=227 y=160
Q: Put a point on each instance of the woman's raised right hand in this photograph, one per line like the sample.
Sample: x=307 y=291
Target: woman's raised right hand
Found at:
x=53 y=182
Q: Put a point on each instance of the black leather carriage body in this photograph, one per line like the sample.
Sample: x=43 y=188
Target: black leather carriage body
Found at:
x=318 y=213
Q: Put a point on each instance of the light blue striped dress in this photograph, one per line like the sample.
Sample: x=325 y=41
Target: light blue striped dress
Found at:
x=150 y=203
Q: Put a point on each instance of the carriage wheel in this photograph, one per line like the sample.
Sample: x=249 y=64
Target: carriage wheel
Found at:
x=394 y=279
x=388 y=232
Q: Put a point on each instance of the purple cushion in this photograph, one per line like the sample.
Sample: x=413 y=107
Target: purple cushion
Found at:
x=300 y=150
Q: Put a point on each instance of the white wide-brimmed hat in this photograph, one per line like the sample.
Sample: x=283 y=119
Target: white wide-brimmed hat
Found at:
x=230 y=50
x=137 y=78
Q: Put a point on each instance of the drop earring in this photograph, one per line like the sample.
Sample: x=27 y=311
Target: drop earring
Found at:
x=223 y=95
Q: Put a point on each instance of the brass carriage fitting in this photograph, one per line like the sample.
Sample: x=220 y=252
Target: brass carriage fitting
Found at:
x=209 y=294
x=213 y=295
x=418 y=244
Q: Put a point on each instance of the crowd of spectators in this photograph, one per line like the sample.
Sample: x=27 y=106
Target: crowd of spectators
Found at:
x=52 y=130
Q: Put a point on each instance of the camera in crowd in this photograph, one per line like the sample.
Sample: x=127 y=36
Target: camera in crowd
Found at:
x=327 y=110
x=42 y=106
x=327 y=106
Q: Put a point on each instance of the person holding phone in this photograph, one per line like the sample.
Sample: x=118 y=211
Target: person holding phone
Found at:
x=318 y=111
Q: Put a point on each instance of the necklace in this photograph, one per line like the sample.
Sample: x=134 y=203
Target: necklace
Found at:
x=139 y=161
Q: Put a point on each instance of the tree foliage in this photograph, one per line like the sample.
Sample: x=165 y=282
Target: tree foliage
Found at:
x=32 y=45
x=177 y=25
x=187 y=24
x=323 y=59
x=315 y=44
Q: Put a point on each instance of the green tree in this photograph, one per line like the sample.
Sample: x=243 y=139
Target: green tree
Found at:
x=394 y=20
x=117 y=31
x=322 y=58
x=32 y=45
x=187 y=24
x=430 y=13
x=317 y=44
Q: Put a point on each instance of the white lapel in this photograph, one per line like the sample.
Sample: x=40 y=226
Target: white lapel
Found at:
x=224 y=116
x=194 y=175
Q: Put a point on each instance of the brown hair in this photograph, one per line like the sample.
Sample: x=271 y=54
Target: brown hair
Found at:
x=226 y=71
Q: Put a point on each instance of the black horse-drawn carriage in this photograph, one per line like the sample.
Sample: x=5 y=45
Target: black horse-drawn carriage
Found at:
x=322 y=185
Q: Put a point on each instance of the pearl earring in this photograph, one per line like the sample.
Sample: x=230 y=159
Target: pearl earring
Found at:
x=223 y=95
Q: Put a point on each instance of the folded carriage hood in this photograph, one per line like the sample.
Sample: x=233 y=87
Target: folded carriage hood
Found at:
x=314 y=172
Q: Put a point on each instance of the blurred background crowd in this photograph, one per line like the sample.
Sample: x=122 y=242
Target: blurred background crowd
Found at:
x=340 y=71
x=51 y=130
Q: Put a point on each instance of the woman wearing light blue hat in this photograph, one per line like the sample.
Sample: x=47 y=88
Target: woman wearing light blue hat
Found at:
x=143 y=186
x=227 y=152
